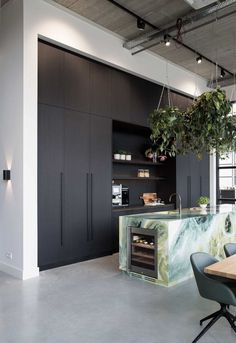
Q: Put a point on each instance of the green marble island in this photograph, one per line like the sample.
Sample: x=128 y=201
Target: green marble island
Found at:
x=178 y=236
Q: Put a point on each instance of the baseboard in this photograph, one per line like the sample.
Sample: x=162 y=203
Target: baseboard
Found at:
x=17 y=272
x=29 y=274
x=13 y=271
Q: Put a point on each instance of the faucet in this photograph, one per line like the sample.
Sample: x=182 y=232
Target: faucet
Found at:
x=180 y=203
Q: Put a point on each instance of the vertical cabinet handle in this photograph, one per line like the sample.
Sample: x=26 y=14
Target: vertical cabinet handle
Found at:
x=62 y=204
x=91 y=206
x=87 y=203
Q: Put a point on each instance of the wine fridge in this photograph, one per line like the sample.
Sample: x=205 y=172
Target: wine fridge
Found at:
x=142 y=249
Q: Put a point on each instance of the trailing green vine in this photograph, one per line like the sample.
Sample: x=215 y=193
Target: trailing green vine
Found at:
x=205 y=127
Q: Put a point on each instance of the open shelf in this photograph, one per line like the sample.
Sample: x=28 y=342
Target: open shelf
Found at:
x=138 y=162
x=125 y=177
x=140 y=260
x=144 y=246
x=138 y=254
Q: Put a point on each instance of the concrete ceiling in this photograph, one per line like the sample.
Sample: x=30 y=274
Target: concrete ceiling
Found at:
x=3 y=2
x=215 y=40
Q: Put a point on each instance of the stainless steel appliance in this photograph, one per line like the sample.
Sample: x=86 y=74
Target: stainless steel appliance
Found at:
x=120 y=195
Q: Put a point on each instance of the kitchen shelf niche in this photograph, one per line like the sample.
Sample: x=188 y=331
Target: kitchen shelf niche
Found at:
x=138 y=162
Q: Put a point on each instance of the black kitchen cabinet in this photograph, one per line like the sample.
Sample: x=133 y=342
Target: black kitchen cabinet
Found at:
x=120 y=96
x=100 y=183
x=77 y=83
x=50 y=185
x=192 y=178
x=77 y=126
x=74 y=186
x=181 y=101
x=139 y=101
x=50 y=75
x=100 y=89
x=144 y=97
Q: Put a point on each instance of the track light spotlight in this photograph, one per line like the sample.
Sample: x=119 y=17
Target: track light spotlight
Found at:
x=222 y=73
x=199 y=59
x=140 y=24
x=167 y=40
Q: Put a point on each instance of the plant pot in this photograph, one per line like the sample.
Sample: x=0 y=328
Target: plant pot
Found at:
x=122 y=156
x=116 y=156
x=128 y=157
x=203 y=206
x=162 y=158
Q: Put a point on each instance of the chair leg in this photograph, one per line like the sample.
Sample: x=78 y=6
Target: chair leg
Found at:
x=232 y=317
x=228 y=316
x=213 y=315
x=209 y=325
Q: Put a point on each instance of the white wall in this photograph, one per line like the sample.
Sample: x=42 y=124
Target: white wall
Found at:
x=231 y=92
x=19 y=227
x=11 y=136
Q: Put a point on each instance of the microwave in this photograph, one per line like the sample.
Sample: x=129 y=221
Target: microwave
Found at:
x=120 y=195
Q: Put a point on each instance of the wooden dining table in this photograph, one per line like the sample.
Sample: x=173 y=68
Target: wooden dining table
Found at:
x=225 y=268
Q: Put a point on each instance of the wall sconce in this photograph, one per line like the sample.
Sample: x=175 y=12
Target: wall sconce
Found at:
x=6 y=175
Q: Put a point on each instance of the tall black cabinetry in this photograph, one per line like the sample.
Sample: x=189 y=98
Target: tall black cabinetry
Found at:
x=192 y=178
x=74 y=191
x=78 y=100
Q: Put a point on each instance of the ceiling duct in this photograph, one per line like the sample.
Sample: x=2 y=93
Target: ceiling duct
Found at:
x=188 y=19
x=226 y=81
x=196 y=4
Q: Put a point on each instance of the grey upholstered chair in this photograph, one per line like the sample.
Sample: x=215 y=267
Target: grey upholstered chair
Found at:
x=213 y=289
x=230 y=249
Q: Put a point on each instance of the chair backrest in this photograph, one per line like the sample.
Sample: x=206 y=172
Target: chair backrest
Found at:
x=209 y=287
x=230 y=249
x=199 y=261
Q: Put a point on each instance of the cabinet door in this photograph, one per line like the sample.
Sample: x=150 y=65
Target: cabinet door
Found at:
x=77 y=184
x=100 y=154
x=192 y=178
x=50 y=185
x=139 y=101
x=100 y=89
x=195 y=179
x=183 y=179
x=76 y=82
x=51 y=75
x=120 y=95
x=204 y=176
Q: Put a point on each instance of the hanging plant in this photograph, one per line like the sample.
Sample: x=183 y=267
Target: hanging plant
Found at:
x=166 y=126
x=208 y=126
x=205 y=127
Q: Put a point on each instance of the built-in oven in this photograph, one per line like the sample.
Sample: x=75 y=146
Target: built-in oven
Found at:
x=142 y=251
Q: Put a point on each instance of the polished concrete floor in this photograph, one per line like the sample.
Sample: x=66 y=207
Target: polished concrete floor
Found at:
x=92 y=302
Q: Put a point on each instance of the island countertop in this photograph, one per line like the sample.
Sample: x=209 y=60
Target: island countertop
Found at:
x=179 y=236
x=186 y=213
